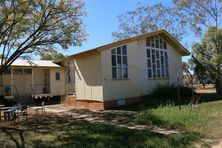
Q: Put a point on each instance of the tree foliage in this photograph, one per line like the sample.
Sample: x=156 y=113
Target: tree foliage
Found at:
x=201 y=14
x=200 y=71
x=208 y=54
x=28 y=26
x=197 y=15
x=51 y=54
x=150 y=18
x=209 y=51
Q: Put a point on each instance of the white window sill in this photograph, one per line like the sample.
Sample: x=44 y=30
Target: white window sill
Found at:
x=158 y=78
x=117 y=79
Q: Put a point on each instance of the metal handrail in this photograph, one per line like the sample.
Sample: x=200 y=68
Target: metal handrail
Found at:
x=64 y=91
x=72 y=85
x=63 y=94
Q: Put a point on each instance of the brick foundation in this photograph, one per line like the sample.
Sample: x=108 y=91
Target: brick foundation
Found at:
x=70 y=100
x=96 y=105
x=90 y=104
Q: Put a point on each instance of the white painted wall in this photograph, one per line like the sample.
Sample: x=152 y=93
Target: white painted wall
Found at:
x=57 y=86
x=117 y=89
x=137 y=84
x=93 y=74
x=88 y=77
x=23 y=82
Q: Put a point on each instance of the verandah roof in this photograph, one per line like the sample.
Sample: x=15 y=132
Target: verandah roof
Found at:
x=34 y=63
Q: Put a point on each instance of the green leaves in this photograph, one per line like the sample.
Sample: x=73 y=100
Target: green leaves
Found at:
x=31 y=25
x=51 y=54
x=209 y=52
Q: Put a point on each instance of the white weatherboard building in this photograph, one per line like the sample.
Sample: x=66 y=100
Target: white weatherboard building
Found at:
x=104 y=77
x=120 y=72
x=33 y=79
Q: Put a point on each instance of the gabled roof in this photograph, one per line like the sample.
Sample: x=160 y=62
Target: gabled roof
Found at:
x=34 y=63
x=163 y=33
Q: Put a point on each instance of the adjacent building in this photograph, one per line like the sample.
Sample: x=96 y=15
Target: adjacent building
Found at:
x=33 y=79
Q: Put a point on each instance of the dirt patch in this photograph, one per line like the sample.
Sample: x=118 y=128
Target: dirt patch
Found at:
x=219 y=145
x=54 y=108
x=208 y=89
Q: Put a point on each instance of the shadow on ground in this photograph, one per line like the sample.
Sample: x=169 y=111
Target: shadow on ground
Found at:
x=63 y=131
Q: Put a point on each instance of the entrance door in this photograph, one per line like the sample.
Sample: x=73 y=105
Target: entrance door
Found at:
x=70 y=79
x=70 y=74
x=47 y=86
x=23 y=80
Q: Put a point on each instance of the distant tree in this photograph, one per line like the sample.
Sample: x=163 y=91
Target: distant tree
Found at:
x=205 y=15
x=28 y=26
x=208 y=54
x=150 y=18
x=200 y=14
x=51 y=54
x=200 y=71
x=197 y=15
x=185 y=65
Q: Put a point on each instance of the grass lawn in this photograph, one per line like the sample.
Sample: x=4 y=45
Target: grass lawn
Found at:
x=202 y=122
x=57 y=131
x=197 y=124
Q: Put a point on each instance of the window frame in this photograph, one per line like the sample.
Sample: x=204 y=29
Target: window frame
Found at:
x=59 y=76
x=119 y=63
x=27 y=71
x=158 y=58
x=16 y=71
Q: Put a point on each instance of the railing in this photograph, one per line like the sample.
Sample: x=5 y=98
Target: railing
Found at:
x=40 y=89
x=68 y=89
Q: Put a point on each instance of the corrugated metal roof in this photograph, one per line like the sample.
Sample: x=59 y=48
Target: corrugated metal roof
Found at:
x=34 y=63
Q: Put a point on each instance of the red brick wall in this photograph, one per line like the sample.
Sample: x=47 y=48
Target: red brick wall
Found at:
x=89 y=104
x=70 y=100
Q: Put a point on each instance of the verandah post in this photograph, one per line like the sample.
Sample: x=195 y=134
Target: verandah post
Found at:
x=12 y=83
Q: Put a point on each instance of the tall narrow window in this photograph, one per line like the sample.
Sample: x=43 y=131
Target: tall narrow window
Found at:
x=157 y=58
x=149 y=63
x=57 y=76
x=69 y=73
x=119 y=62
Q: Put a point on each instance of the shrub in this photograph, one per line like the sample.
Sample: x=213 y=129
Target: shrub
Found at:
x=165 y=94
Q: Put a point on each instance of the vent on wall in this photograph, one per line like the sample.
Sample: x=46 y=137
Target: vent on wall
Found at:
x=121 y=102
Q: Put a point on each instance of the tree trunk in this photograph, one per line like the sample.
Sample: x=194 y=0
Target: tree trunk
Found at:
x=219 y=86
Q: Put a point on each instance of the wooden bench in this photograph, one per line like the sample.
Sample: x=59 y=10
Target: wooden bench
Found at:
x=21 y=111
x=10 y=114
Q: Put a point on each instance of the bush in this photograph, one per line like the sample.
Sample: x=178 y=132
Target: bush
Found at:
x=165 y=94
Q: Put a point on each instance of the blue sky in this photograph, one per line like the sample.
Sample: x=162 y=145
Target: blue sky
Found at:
x=102 y=21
